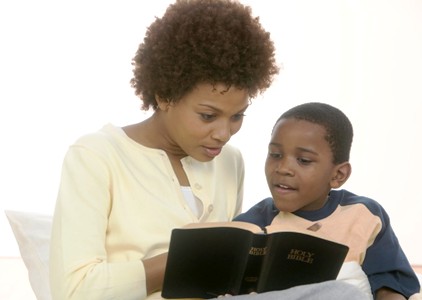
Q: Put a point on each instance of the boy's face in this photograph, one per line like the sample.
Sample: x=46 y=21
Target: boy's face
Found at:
x=299 y=167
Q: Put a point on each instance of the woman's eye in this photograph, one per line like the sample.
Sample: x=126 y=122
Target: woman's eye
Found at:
x=238 y=117
x=207 y=117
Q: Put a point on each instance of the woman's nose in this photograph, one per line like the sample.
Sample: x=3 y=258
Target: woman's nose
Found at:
x=222 y=132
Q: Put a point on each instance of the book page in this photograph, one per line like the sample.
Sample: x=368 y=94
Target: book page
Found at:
x=236 y=224
x=282 y=228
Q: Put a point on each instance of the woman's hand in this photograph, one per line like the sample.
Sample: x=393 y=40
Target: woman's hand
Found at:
x=154 y=272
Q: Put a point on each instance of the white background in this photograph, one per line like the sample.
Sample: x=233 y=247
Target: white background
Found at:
x=65 y=68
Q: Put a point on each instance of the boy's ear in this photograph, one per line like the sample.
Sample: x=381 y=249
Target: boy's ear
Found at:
x=341 y=173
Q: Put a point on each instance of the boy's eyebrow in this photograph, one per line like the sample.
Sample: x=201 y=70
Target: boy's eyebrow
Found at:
x=303 y=149
x=308 y=150
x=274 y=144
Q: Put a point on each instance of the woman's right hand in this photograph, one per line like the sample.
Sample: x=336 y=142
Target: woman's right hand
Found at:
x=154 y=272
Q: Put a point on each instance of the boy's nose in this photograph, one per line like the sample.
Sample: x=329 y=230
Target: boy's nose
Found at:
x=283 y=167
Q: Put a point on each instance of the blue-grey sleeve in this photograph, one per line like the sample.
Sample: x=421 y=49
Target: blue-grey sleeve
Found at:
x=385 y=263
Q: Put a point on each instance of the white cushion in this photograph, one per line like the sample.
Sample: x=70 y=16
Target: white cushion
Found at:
x=32 y=233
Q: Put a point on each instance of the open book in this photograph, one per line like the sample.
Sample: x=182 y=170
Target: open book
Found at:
x=210 y=259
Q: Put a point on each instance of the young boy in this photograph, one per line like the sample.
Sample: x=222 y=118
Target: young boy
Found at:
x=308 y=158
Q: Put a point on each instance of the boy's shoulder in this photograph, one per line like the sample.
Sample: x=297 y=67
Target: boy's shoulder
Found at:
x=263 y=213
x=260 y=214
x=344 y=198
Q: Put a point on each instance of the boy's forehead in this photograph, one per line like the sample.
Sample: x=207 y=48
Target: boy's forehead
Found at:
x=299 y=125
x=297 y=130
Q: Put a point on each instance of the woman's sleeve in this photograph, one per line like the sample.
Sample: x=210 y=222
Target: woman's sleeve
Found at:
x=241 y=182
x=79 y=268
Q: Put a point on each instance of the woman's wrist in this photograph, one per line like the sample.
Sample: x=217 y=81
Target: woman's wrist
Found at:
x=154 y=272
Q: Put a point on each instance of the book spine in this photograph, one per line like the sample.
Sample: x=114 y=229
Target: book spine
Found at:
x=256 y=256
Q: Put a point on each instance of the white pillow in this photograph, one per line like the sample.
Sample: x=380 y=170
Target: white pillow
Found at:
x=32 y=232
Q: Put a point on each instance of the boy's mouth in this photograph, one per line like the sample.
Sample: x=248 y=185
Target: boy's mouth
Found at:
x=283 y=186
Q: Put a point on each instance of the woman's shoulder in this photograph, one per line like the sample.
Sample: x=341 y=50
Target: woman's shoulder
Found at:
x=105 y=134
x=230 y=151
x=109 y=136
x=230 y=154
x=108 y=139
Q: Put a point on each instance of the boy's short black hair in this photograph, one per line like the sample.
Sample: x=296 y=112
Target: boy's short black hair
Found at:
x=203 y=41
x=337 y=125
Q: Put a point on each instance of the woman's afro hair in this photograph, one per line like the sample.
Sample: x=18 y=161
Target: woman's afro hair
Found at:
x=203 y=41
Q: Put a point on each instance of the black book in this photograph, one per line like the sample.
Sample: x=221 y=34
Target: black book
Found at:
x=206 y=260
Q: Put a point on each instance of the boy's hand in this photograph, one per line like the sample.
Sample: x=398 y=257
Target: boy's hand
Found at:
x=388 y=294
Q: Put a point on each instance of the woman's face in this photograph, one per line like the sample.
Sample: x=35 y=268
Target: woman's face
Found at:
x=204 y=120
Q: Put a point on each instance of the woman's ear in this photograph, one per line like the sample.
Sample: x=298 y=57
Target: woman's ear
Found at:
x=341 y=173
x=162 y=103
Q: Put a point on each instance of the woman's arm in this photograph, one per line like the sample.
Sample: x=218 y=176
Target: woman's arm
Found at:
x=80 y=263
x=154 y=272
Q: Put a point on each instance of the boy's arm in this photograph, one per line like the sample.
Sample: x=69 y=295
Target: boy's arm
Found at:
x=388 y=294
x=385 y=263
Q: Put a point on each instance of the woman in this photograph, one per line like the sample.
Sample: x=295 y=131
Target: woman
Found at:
x=123 y=190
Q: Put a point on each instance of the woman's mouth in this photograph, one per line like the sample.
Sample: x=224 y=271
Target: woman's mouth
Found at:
x=212 y=152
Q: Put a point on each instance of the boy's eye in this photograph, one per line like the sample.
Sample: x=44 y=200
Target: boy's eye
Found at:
x=274 y=154
x=304 y=161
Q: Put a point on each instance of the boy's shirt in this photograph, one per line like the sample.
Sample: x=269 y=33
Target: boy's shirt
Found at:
x=375 y=255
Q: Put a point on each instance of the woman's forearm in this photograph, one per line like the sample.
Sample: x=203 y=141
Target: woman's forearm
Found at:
x=154 y=272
